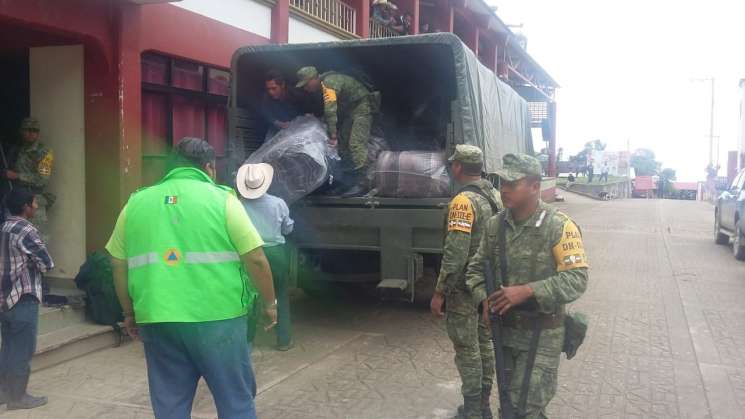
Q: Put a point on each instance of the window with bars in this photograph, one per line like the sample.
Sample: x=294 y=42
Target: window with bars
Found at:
x=180 y=98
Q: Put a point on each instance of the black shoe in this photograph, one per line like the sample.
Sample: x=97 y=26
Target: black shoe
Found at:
x=286 y=347
x=27 y=402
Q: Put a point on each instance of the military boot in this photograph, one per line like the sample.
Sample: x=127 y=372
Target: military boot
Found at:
x=359 y=184
x=470 y=409
x=485 y=403
x=19 y=399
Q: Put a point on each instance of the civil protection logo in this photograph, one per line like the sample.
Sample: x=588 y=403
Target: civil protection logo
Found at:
x=172 y=257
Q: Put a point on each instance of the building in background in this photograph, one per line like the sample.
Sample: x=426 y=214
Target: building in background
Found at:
x=115 y=82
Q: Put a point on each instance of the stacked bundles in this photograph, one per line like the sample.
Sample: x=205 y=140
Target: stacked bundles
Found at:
x=411 y=174
x=300 y=156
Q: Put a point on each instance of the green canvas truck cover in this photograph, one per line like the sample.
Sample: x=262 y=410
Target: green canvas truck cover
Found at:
x=489 y=113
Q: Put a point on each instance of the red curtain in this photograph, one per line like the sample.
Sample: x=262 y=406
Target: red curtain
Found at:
x=217 y=128
x=218 y=82
x=154 y=69
x=187 y=75
x=154 y=124
x=188 y=118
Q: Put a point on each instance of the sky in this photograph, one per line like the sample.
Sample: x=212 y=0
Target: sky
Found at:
x=627 y=72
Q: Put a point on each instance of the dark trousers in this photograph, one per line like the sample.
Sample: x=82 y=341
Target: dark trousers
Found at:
x=19 y=326
x=277 y=257
x=178 y=354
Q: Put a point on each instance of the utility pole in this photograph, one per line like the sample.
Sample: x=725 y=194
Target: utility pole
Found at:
x=711 y=125
x=710 y=79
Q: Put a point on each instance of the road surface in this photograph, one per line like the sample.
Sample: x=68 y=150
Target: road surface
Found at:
x=666 y=340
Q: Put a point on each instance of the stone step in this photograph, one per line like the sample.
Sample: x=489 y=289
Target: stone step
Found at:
x=55 y=318
x=71 y=342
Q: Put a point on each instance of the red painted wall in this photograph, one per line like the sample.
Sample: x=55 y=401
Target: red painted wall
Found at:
x=114 y=34
x=182 y=33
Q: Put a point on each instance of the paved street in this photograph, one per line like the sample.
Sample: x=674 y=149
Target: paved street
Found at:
x=666 y=340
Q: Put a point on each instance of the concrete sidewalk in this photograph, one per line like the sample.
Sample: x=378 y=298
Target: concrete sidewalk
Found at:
x=666 y=340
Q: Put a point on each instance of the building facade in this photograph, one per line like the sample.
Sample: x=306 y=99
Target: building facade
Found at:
x=116 y=82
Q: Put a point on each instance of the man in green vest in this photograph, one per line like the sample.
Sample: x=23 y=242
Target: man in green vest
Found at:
x=183 y=252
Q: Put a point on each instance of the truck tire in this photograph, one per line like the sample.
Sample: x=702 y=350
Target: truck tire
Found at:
x=719 y=237
x=738 y=244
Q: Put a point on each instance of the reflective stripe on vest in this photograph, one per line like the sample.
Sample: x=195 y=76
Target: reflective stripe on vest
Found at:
x=190 y=257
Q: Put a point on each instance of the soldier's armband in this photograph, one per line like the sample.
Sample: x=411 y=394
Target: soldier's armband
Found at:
x=45 y=164
x=329 y=95
x=461 y=215
x=569 y=253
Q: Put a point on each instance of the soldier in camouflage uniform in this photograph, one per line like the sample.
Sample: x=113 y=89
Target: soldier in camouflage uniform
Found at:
x=546 y=269
x=348 y=108
x=32 y=171
x=468 y=213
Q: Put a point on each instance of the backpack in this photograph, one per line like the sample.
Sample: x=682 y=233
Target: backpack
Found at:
x=96 y=279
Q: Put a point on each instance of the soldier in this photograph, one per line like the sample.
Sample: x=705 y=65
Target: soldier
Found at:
x=347 y=106
x=545 y=270
x=32 y=170
x=468 y=212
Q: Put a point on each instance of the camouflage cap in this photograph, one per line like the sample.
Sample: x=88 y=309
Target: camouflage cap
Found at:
x=304 y=75
x=518 y=166
x=30 y=124
x=465 y=153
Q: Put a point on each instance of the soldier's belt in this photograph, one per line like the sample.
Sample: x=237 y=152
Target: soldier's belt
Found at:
x=532 y=321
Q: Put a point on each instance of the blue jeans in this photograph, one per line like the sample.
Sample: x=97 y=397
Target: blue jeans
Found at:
x=178 y=354
x=277 y=257
x=18 y=326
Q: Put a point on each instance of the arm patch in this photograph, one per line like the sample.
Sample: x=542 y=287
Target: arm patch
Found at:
x=329 y=95
x=45 y=164
x=569 y=253
x=460 y=214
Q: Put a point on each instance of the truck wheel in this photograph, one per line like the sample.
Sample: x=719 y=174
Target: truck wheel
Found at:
x=425 y=287
x=719 y=237
x=738 y=244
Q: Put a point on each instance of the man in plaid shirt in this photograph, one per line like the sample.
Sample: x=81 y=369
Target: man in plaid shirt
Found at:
x=23 y=259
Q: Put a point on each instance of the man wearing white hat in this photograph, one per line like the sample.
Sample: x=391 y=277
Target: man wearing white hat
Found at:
x=271 y=217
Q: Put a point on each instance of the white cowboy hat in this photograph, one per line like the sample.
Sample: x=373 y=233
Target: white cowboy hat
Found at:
x=253 y=180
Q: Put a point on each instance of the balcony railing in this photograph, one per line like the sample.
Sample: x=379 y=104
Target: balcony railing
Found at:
x=333 y=12
x=381 y=31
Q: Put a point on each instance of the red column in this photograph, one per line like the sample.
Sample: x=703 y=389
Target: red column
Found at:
x=129 y=91
x=474 y=39
x=415 y=14
x=490 y=54
x=363 y=17
x=280 y=22
x=447 y=19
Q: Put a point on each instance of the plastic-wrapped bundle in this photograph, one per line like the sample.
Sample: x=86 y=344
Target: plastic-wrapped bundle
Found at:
x=375 y=146
x=300 y=156
x=411 y=174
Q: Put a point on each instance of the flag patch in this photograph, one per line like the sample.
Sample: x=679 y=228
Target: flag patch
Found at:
x=171 y=200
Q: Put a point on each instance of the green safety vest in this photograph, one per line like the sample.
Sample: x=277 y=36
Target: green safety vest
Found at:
x=182 y=264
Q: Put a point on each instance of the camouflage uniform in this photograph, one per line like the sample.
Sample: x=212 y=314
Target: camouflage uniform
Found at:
x=546 y=252
x=349 y=106
x=34 y=168
x=474 y=355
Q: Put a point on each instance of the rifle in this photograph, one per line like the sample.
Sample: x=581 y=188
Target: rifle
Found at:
x=506 y=409
x=5 y=165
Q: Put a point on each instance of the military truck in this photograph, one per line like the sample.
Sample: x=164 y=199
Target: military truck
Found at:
x=435 y=94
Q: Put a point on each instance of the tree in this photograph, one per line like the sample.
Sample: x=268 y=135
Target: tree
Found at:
x=582 y=157
x=667 y=176
x=644 y=163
